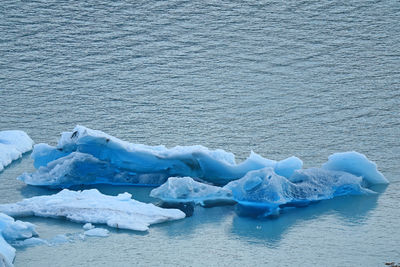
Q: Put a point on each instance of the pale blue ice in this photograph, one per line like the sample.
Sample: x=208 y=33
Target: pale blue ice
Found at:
x=86 y=156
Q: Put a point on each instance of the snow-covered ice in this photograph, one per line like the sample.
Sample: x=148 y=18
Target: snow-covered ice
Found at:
x=13 y=144
x=188 y=190
x=11 y=230
x=90 y=206
x=86 y=156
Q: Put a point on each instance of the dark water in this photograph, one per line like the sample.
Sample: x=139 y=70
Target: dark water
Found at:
x=304 y=78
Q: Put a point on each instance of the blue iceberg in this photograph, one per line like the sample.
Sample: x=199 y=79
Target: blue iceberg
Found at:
x=13 y=144
x=185 y=189
x=86 y=156
x=11 y=230
x=264 y=193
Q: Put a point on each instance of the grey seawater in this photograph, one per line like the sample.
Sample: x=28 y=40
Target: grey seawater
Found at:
x=304 y=78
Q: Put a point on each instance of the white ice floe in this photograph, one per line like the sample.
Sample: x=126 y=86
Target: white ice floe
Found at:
x=86 y=156
x=188 y=190
x=11 y=230
x=12 y=145
x=90 y=206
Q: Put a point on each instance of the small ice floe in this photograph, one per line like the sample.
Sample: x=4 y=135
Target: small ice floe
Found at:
x=90 y=206
x=88 y=226
x=13 y=144
x=11 y=230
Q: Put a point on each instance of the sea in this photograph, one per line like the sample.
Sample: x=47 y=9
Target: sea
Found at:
x=280 y=78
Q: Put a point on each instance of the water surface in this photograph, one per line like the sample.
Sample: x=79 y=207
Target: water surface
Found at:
x=304 y=78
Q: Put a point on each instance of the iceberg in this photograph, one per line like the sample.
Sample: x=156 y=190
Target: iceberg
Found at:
x=183 y=190
x=90 y=206
x=263 y=193
x=86 y=156
x=11 y=230
x=13 y=144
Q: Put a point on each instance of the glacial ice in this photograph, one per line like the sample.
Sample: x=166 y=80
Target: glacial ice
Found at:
x=263 y=192
x=90 y=206
x=182 y=190
x=87 y=156
x=357 y=164
x=13 y=144
x=11 y=230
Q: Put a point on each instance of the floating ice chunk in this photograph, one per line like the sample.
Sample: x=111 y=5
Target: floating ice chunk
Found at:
x=58 y=239
x=30 y=242
x=101 y=232
x=357 y=164
x=87 y=156
x=263 y=192
x=11 y=230
x=93 y=207
x=7 y=253
x=181 y=190
x=88 y=226
x=12 y=145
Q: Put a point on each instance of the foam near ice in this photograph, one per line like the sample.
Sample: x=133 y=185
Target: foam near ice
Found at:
x=87 y=156
x=90 y=206
x=188 y=190
x=11 y=230
x=13 y=144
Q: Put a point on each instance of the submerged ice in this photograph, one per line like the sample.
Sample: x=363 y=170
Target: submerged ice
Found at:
x=11 y=230
x=87 y=156
x=13 y=144
x=90 y=206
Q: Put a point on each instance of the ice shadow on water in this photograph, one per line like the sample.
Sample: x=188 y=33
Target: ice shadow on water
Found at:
x=352 y=210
